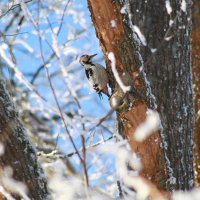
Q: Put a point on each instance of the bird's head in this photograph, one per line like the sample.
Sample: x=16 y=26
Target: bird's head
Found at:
x=86 y=59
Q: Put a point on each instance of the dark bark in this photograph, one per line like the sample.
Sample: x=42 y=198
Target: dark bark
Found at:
x=19 y=153
x=169 y=73
x=196 y=83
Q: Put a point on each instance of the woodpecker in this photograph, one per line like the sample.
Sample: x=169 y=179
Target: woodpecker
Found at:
x=96 y=75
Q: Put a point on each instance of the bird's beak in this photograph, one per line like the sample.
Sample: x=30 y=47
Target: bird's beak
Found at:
x=91 y=56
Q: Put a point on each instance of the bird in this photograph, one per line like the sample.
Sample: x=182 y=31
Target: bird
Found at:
x=96 y=74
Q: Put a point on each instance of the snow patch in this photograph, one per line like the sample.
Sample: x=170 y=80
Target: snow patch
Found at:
x=183 y=5
x=12 y=185
x=60 y=186
x=113 y=23
x=153 y=50
x=180 y=195
x=140 y=35
x=25 y=45
x=168 y=38
x=123 y=10
x=125 y=88
x=171 y=22
x=55 y=45
x=168 y=7
x=151 y=124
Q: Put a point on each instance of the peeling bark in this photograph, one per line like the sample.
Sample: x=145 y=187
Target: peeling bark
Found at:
x=169 y=73
x=120 y=40
x=18 y=152
x=149 y=150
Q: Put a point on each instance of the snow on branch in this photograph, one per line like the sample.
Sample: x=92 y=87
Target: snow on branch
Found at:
x=125 y=88
x=183 y=5
x=135 y=28
x=140 y=35
x=168 y=6
x=151 y=124
x=12 y=65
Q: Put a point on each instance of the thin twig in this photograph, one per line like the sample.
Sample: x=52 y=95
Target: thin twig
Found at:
x=14 y=34
x=62 y=18
x=54 y=154
x=61 y=114
x=75 y=98
x=84 y=161
x=12 y=20
x=18 y=5
x=41 y=67
x=57 y=103
x=103 y=119
x=119 y=189
x=13 y=6
x=53 y=55
x=109 y=113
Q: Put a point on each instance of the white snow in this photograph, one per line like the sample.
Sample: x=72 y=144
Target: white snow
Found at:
x=2 y=149
x=124 y=88
x=6 y=194
x=12 y=185
x=153 y=50
x=134 y=181
x=183 y=5
x=123 y=154
x=150 y=125
x=59 y=185
x=140 y=35
x=113 y=23
x=191 y=195
x=168 y=38
x=9 y=62
x=168 y=6
x=24 y=44
x=123 y=10
x=55 y=45
x=171 y=22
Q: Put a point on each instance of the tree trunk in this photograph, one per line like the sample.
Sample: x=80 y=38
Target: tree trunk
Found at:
x=18 y=151
x=196 y=83
x=116 y=36
x=169 y=73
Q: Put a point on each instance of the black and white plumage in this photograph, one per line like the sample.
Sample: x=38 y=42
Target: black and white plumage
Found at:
x=96 y=74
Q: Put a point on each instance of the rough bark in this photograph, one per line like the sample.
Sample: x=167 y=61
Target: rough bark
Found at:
x=119 y=39
x=169 y=72
x=18 y=152
x=196 y=83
